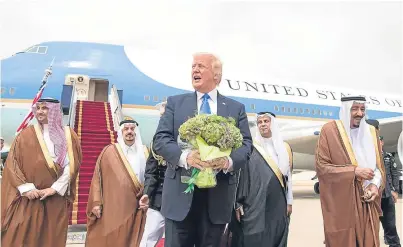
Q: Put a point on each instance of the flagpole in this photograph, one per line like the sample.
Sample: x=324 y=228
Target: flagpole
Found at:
x=30 y=116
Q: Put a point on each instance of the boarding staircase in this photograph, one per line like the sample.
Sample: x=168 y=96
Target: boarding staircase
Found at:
x=95 y=124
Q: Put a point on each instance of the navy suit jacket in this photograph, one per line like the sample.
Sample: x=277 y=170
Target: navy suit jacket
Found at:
x=175 y=203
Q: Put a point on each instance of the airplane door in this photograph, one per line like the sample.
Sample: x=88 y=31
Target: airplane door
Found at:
x=99 y=90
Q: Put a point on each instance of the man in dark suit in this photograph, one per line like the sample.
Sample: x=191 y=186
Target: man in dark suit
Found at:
x=153 y=187
x=199 y=218
x=389 y=198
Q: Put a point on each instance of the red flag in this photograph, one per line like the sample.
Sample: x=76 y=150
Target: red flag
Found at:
x=30 y=115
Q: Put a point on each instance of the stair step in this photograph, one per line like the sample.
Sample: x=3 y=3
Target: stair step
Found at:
x=94 y=142
x=93 y=131
x=86 y=174
x=97 y=135
x=93 y=102
x=83 y=197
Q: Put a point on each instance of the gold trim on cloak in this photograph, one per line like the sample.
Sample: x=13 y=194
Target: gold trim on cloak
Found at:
x=129 y=169
x=72 y=164
x=346 y=142
x=271 y=163
x=287 y=146
x=45 y=151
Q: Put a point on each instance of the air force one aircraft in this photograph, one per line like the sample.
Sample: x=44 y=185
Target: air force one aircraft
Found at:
x=146 y=78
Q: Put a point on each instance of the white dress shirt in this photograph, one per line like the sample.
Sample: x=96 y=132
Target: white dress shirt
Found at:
x=378 y=176
x=131 y=156
x=269 y=147
x=213 y=108
x=62 y=182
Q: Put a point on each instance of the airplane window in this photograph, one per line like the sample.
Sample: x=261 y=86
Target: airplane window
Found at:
x=288 y=109
x=164 y=99
x=313 y=111
x=12 y=91
x=301 y=110
x=276 y=108
x=330 y=113
x=3 y=90
x=155 y=98
x=34 y=49
x=146 y=97
x=42 y=49
x=295 y=110
x=306 y=110
x=325 y=113
x=283 y=109
x=319 y=112
x=252 y=106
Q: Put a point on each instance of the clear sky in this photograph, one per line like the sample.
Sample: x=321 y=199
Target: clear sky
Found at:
x=348 y=44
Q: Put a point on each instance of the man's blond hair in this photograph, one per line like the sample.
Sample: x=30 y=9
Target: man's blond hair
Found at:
x=216 y=64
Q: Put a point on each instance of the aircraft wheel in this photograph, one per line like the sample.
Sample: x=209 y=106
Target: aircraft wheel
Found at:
x=316 y=187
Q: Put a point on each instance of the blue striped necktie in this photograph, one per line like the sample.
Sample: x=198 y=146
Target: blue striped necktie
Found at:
x=205 y=106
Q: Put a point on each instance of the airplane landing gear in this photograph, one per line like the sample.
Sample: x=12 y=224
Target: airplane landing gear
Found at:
x=316 y=188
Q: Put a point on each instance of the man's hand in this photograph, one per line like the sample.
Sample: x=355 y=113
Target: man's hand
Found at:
x=97 y=211
x=32 y=194
x=193 y=159
x=395 y=196
x=289 y=210
x=364 y=173
x=371 y=193
x=219 y=163
x=238 y=213
x=144 y=201
x=46 y=192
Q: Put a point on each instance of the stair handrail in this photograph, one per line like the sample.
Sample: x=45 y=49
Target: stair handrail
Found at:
x=72 y=110
x=116 y=107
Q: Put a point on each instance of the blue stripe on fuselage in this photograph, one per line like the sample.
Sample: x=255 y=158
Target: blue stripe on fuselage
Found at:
x=23 y=72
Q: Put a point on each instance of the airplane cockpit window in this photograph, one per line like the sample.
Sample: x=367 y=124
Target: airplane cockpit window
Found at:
x=37 y=49
x=33 y=49
x=42 y=49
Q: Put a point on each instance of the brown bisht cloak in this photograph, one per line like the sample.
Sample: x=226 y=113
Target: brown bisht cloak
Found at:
x=36 y=223
x=348 y=220
x=117 y=190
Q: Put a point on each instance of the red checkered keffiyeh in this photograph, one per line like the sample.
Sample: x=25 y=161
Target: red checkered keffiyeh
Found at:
x=56 y=130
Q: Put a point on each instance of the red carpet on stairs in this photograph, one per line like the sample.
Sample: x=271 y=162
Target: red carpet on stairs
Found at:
x=94 y=127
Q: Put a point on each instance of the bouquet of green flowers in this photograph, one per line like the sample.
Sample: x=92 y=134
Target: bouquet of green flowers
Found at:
x=214 y=137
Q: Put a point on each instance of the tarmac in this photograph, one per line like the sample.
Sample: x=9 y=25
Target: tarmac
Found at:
x=306 y=227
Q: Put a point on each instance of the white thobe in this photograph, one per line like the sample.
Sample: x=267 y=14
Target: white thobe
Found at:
x=356 y=147
x=62 y=182
x=154 y=227
x=131 y=156
x=269 y=148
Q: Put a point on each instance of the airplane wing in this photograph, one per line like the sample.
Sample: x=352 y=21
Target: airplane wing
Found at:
x=390 y=129
x=304 y=139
